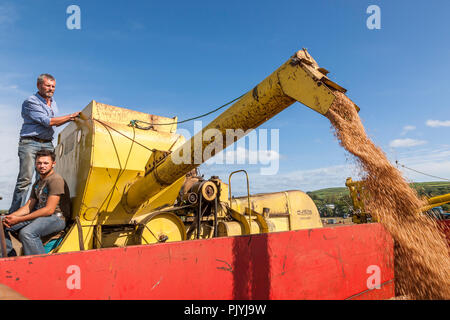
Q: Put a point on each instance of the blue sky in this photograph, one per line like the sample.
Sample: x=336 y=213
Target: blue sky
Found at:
x=185 y=58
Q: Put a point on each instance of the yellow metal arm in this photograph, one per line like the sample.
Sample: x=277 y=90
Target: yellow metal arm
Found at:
x=299 y=79
x=436 y=202
x=356 y=193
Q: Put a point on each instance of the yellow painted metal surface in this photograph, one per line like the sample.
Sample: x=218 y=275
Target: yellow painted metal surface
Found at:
x=118 y=239
x=71 y=242
x=239 y=217
x=119 y=175
x=261 y=221
x=357 y=194
x=439 y=199
x=290 y=210
x=289 y=83
x=234 y=228
x=436 y=201
x=98 y=158
x=162 y=227
x=231 y=228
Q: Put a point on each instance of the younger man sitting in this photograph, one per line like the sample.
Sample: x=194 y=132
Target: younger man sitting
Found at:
x=44 y=213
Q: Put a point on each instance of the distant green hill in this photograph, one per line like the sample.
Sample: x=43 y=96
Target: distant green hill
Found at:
x=340 y=196
x=432 y=189
x=329 y=192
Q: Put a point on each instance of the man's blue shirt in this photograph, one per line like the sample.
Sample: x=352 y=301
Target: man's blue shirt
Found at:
x=36 y=116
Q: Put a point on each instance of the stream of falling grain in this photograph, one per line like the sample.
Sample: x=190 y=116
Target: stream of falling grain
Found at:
x=422 y=263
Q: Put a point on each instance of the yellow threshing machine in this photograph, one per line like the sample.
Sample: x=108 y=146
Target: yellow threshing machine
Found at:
x=133 y=181
x=133 y=186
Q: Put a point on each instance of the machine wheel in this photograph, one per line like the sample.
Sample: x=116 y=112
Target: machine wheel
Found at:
x=161 y=227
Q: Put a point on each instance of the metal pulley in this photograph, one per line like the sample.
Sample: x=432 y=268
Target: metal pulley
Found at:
x=192 y=197
x=206 y=189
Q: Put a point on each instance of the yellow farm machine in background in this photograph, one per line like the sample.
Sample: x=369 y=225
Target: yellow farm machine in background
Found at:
x=361 y=215
x=357 y=194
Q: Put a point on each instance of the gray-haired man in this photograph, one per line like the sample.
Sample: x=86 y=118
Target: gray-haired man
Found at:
x=38 y=113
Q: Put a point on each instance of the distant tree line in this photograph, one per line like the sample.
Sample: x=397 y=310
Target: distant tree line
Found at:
x=431 y=190
x=332 y=205
x=336 y=202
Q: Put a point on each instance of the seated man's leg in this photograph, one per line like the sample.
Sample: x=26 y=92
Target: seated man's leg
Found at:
x=30 y=236
x=9 y=247
x=15 y=228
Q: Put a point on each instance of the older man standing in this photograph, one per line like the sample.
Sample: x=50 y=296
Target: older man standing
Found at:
x=38 y=113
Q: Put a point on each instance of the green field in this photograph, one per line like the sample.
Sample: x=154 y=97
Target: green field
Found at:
x=340 y=197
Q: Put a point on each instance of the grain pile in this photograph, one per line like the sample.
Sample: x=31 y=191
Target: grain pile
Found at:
x=422 y=263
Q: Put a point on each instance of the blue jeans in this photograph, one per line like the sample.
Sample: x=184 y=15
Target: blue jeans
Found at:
x=27 y=156
x=31 y=231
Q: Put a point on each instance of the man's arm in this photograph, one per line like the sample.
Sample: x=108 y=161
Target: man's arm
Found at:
x=46 y=211
x=26 y=209
x=31 y=108
x=57 y=121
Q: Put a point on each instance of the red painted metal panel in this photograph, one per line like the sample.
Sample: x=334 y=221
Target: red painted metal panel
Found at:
x=326 y=263
x=445 y=226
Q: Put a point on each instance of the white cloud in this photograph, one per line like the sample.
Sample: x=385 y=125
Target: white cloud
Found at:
x=403 y=143
x=433 y=171
x=244 y=155
x=425 y=155
x=408 y=128
x=438 y=123
x=308 y=180
x=305 y=180
x=431 y=161
x=10 y=87
x=10 y=123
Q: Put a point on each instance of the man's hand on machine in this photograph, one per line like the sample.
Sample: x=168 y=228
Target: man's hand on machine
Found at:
x=75 y=115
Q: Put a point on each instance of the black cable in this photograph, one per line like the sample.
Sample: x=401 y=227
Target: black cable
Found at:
x=398 y=163
x=133 y=123
x=132 y=139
